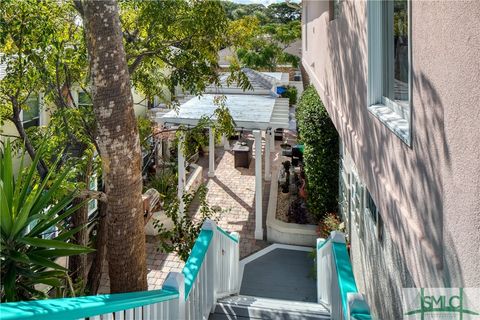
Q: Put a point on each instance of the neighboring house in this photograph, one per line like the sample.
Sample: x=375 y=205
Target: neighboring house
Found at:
x=38 y=114
x=401 y=82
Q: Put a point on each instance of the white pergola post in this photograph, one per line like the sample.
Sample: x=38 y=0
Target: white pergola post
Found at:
x=211 y=152
x=272 y=140
x=268 y=174
x=258 y=185
x=181 y=173
x=226 y=143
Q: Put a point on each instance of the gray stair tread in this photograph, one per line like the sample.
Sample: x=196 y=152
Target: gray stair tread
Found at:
x=280 y=274
x=247 y=307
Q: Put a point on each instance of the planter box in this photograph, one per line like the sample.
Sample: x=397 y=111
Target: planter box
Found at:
x=195 y=179
x=288 y=233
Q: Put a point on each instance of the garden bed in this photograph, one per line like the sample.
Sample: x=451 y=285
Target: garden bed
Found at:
x=279 y=231
x=284 y=202
x=194 y=180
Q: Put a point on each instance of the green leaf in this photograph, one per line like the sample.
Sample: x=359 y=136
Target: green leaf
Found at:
x=5 y=213
x=47 y=222
x=54 y=253
x=54 y=282
x=7 y=173
x=19 y=257
x=48 y=243
x=41 y=261
x=9 y=283
x=66 y=235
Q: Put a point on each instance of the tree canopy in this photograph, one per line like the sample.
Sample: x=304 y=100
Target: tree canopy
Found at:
x=263 y=33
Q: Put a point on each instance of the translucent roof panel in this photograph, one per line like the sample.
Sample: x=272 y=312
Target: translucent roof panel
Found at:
x=276 y=75
x=248 y=111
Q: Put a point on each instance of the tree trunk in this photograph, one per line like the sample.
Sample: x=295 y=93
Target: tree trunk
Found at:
x=77 y=264
x=95 y=272
x=119 y=146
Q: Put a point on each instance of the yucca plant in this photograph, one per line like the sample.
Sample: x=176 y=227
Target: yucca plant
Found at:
x=28 y=210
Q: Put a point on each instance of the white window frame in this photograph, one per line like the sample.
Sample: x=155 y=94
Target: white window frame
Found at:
x=392 y=114
x=357 y=211
x=93 y=186
x=41 y=120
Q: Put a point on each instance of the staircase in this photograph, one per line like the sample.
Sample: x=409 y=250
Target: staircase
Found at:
x=213 y=284
x=246 y=307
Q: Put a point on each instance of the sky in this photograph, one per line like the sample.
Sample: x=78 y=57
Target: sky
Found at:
x=264 y=2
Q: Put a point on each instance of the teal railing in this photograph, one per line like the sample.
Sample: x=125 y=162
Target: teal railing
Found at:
x=109 y=304
x=82 y=307
x=195 y=260
x=344 y=279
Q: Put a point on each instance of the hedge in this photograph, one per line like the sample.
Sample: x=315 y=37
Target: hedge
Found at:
x=320 y=138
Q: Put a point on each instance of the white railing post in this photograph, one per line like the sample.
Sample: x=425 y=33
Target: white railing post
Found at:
x=181 y=173
x=357 y=304
x=211 y=152
x=337 y=237
x=336 y=307
x=236 y=263
x=176 y=281
x=319 y=268
x=211 y=264
x=258 y=185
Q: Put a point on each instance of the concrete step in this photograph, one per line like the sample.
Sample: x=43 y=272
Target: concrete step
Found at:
x=241 y=307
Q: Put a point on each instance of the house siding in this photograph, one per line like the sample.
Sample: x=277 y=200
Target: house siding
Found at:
x=428 y=193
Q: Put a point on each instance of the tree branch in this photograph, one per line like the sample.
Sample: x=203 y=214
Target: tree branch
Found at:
x=93 y=195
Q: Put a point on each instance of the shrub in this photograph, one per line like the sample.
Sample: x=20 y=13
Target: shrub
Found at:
x=330 y=222
x=320 y=139
x=29 y=211
x=181 y=238
x=291 y=93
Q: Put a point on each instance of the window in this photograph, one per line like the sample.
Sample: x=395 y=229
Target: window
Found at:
x=335 y=8
x=389 y=64
x=356 y=202
x=371 y=210
x=343 y=185
x=31 y=114
x=93 y=204
x=84 y=100
x=371 y=207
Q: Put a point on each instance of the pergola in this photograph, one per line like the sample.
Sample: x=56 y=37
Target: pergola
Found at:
x=261 y=114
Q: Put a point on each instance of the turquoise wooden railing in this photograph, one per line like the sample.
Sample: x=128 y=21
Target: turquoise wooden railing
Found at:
x=190 y=294
x=83 y=307
x=336 y=284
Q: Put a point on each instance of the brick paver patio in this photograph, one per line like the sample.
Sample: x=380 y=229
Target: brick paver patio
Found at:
x=233 y=190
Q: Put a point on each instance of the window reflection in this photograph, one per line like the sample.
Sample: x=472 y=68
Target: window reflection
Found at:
x=400 y=50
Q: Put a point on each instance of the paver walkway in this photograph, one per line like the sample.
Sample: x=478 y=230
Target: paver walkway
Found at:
x=233 y=190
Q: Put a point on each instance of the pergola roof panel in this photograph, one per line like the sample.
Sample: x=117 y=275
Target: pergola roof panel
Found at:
x=253 y=112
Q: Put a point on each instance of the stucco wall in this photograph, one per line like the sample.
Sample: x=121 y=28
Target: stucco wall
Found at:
x=428 y=193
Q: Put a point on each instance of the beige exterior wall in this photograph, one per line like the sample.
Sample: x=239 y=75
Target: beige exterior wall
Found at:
x=428 y=193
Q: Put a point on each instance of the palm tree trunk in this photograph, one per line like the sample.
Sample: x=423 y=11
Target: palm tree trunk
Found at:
x=95 y=272
x=119 y=146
